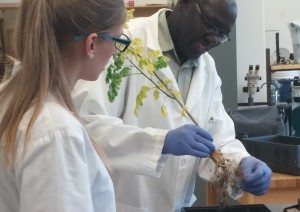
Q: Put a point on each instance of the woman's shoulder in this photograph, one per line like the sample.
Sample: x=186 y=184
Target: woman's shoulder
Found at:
x=54 y=128
x=52 y=118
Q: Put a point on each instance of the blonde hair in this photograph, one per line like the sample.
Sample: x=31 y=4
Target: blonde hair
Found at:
x=40 y=33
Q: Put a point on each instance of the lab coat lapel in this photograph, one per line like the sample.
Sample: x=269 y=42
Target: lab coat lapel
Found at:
x=196 y=88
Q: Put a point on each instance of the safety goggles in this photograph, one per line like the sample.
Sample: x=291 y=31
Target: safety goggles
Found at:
x=121 y=42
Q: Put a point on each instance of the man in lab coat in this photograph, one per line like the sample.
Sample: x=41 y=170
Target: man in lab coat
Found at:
x=155 y=160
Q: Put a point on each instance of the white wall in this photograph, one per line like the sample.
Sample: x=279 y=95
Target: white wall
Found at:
x=250 y=35
x=277 y=13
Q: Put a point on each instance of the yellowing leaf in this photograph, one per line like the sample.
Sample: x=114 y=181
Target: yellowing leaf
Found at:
x=150 y=68
x=183 y=111
x=167 y=81
x=176 y=93
x=160 y=85
x=152 y=55
x=143 y=62
x=139 y=102
x=135 y=47
x=125 y=26
x=129 y=15
x=163 y=111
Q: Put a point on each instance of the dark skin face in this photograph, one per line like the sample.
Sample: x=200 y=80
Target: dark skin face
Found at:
x=189 y=30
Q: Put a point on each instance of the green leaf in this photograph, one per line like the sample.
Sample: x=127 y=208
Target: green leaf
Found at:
x=125 y=71
x=156 y=94
x=161 y=62
x=118 y=62
x=110 y=94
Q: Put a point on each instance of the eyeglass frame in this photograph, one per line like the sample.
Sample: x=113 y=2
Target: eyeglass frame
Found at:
x=215 y=30
x=109 y=37
x=117 y=39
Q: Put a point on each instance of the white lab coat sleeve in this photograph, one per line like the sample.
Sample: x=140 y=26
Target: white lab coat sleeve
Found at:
x=128 y=148
x=220 y=125
x=53 y=175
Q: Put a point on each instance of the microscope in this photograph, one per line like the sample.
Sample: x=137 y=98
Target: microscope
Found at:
x=252 y=78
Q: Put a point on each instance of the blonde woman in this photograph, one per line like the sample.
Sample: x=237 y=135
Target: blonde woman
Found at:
x=47 y=161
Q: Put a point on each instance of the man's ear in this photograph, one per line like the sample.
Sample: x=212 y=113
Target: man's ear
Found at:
x=90 y=45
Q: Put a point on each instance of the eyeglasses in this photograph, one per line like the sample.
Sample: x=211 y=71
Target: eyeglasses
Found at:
x=221 y=37
x=121 y=43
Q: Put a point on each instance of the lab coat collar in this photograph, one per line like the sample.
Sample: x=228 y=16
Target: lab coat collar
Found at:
x=152 y=29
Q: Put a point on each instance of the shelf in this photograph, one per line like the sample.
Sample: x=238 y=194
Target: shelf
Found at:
x=147 y=10
x=142 y=10
x=289 y=67
x=4 y=6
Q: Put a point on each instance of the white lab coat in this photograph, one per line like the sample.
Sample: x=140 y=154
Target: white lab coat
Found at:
x=145 y=180
x=61 y=170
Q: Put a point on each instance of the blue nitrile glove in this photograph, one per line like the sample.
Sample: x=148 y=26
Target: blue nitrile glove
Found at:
x=188 y=140
x=256 y=176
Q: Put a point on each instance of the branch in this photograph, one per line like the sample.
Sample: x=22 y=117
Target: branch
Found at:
x=151 y=80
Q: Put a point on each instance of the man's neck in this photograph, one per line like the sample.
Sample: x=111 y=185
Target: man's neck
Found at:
x=173 y=37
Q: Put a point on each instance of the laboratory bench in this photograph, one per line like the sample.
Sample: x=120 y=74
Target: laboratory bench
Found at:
x=284 y=189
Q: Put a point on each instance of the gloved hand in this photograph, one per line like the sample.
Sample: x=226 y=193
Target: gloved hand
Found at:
x=256 y=176
x=188 y=140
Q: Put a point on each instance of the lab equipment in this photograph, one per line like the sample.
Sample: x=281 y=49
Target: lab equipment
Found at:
x=295 y=92
x=275 y=92
x=281 y=86
x=296 y=123
x=277 y=48
x=261 y=120
x=252 y=78
x=294 y=27
x=281 y=153
x=296 y=105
